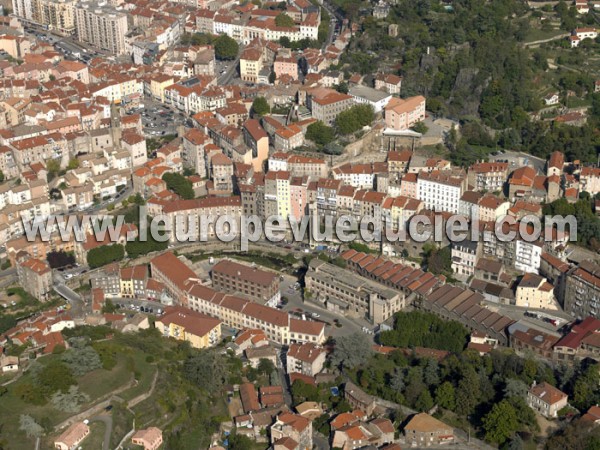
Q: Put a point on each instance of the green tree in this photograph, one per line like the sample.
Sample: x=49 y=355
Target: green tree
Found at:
x=106 y=254
x=500 y=423
x=53 y=166
x=445 y=396
x=424 y=402
x=226 y=48
x=265 y=366
x=82 y=360
x=179 y=184
x=260 y=107
x=1 y=177
x=272 y=77
x=354 y=118
x=283 y=20
x=30 y=426
x=351 y=351
x=320 y=133
x=73 y=164
x=207 y=370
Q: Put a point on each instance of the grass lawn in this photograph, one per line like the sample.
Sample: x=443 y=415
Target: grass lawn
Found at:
x=96 y=436
x=100 y=382
x=536 y=34
x=144 y=384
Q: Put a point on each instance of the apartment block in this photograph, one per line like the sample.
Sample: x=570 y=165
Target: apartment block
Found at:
x=582 y=291
x=35 y=276
x=101 y=25
x=257 y=284
x=307 y=359
x=183 y=324
x=441 y=190
x=488 y=176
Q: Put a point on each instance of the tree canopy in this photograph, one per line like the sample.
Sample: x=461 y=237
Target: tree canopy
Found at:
x=179 y=184
x=226 y=48
x=105 y=254
x=260 y=106
x=283 y=20
x=354 y=118
x=320 y=133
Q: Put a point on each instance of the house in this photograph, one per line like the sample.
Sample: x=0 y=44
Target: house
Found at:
x=546 y=399
x=183 y=324
x=72 y=437
x=358 y=398
x=424 y=431
x=551 y=99
x=535 y=292
x=295 y=427
x=150 y=438
x=255 y=354
x=9 y=363
x=236 y=278
x=307 y=359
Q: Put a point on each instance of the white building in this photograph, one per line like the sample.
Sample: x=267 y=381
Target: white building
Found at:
x=374 y=97
x=528 y=256
x=440 y=190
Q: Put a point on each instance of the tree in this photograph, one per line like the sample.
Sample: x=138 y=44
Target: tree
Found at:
x=206 y=369
x=73 y=164
x=424 y=402
x=70 y=401
x=515 y=388
x=354 y=118
x=53 y=166
x=239 y=442
x=445 y=396
x=100 y=256
x=283 y=20
x=342 y=87
x=30 y=426
x=351 y=351
x=179 y=184
x=82 y=360
x=57 y=259
x=320 y=133
x=500 y=423
x=54 y=376
x=1 y=177
x=272 y=77
x=260 y=107
x=225 y=48
x=420 y=127
x=266 y=366
x=431 y=372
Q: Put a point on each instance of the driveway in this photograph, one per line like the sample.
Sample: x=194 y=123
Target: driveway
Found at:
x=108 y=422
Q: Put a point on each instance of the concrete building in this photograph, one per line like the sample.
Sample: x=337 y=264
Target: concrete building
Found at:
x=183 y=324
x=533 y=291
x=441 y=190
x=307 y=359
x=101 y=25
x=35 y=276
x=325 y=104
x=235 y=278
x=582 y=291
x=341 y=291
x=401 y=114
x=377 y=99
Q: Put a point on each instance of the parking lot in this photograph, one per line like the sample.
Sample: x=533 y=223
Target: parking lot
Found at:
x=159 y=120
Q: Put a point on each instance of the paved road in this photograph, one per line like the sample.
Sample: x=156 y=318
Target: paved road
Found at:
x=231 y=71
x=72 y=297
x=108 y=422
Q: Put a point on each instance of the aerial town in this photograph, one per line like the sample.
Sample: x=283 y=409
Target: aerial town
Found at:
x=399 y=118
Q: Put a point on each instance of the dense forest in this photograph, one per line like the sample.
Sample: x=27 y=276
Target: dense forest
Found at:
x=486 y=394
x=470 y=63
